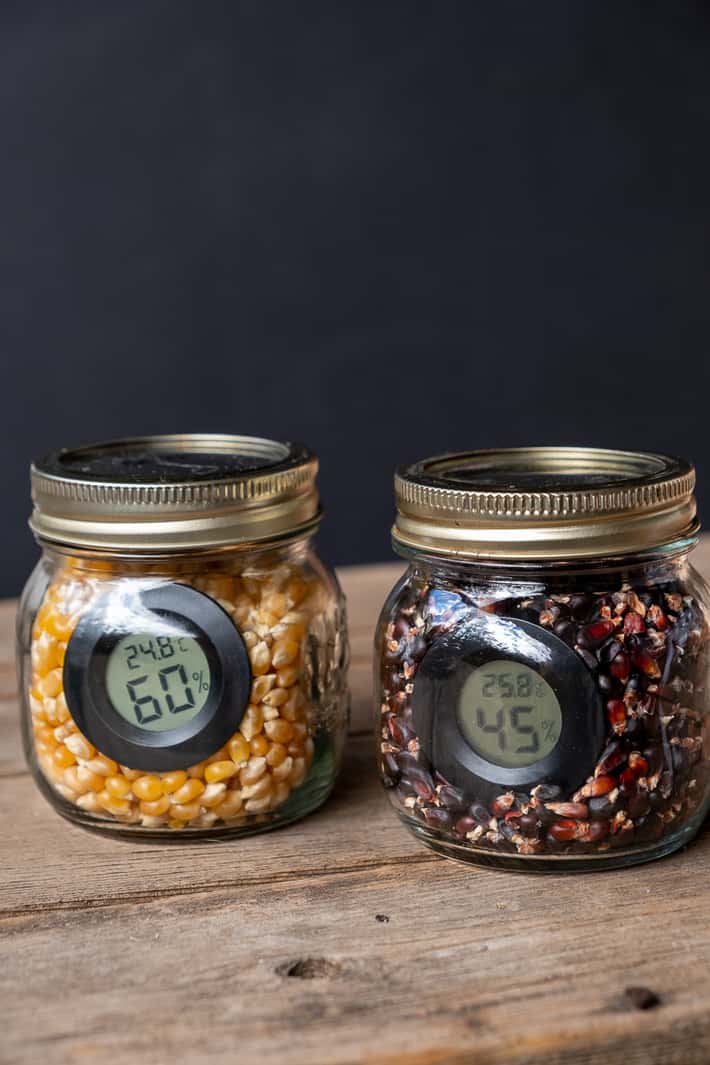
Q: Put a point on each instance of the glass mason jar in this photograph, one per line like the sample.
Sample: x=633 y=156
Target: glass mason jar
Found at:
x=542 y=665
x=182 y=650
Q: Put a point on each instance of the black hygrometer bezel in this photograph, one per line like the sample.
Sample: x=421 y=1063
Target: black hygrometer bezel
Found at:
x=483 y=638
x=86 y=661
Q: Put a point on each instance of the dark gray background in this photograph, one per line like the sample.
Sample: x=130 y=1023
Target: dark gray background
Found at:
x=387 y=229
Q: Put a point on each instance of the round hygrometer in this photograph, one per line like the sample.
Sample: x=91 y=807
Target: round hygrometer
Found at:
x=502 y=703
x=157 y=678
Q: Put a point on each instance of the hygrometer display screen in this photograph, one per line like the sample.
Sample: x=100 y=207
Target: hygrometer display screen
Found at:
x=503 y=703
x=509 y=714
x=157 y=676
x=158 y=682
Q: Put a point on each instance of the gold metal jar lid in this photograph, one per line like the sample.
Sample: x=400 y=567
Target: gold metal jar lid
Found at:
x=544 y=503
x=156 y=494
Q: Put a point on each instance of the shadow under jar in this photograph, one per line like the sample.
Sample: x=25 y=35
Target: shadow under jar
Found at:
x=182 y=650
x=542 y=665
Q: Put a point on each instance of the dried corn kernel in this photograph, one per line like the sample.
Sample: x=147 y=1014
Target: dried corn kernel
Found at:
x=189 y=791
x=238 y=749
x=118 y=786
x=217 y=771
x=155 y=807
x=148 y=788
x=173 y=780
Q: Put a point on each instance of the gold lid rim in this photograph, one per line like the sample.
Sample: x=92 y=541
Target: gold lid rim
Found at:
x=272 y=499
x=631 y=502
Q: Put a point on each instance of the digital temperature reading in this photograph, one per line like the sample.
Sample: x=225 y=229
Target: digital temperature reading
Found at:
x=509 y=714
x=157 y=682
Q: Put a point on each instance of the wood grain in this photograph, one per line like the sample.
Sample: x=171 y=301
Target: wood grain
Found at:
x=336 y=940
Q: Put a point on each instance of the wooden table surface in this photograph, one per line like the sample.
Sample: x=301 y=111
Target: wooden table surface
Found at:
x=340 y=939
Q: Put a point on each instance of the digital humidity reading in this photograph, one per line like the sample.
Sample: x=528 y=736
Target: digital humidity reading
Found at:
x=509 y=714
x=158 y=682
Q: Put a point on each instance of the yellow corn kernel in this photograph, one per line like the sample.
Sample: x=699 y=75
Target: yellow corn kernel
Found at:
x=50 y=711
x=36 y=705
x=155 y=807
x=276 y=604
x=219 y=771
x=197 y=771
x=173 y=780
x=44 y=653
x=189 y=791
x=298 y=773
x=238 y=749
x=279 y=731
x=284 y=652
x=153 y=822
x=287 y=677
x=88 y=802
x=80 y=779
x=283 y=770
x=80 y=746
x=50 y=685
x=276 y=754
x=296 y=591
x=263 y=786
x=117 y=786
x=61 y=710
x=252 y=722
x=250 y=638
x=130 y=774
x=148 y=788
x=260 y=658
x=63 y=757
x=229 y=806
x=105 y=767
x=176 y=825
x=54 y=772
x=45 y=734
x=262 y=686
x=117 y=807
x=213 y=794
x=185 y=811
x=59 y=625
x=276 y=698
x=205 y=820
x=259 y=745
x=66 y=793
x=218 y=756
x=296 y=749
x=254 y=768
x=300 y=731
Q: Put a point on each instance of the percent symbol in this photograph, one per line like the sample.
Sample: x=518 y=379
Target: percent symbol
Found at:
x=198 y=676
x=548 y=728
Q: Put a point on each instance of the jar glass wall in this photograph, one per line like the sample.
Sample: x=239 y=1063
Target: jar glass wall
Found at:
x=280 y=762
x=642 y=631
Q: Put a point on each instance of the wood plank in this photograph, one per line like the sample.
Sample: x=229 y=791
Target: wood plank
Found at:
x=136 y=953
x=470 y=966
